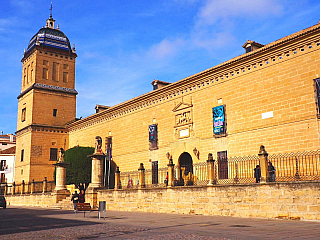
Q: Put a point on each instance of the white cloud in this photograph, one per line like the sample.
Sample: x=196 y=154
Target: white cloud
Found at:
x=166 y=48
x=214 y=10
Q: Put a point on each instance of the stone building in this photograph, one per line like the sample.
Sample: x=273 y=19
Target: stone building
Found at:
x=268 y=95
x=47 y=102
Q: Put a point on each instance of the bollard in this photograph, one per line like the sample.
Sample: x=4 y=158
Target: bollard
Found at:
x=211 y=173
x=44 y=185
x=117 y=179
x=142 y=176
x=170 y=173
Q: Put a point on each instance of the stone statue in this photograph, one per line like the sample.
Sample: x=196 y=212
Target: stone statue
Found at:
x=262 y=150
x=61 y=155
x=98 y=144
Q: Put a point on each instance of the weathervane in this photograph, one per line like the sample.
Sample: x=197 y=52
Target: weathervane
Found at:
x=51 y=10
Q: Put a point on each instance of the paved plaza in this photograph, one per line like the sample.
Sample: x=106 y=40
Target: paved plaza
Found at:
x=40 y=223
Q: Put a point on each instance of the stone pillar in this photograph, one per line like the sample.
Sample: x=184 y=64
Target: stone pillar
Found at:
x=97 y=170
x=44 y=185
x=61 y=192
x=170 y=173
x=211 y=173
x=142 y=176
x=32 y=187
x=263 y=155
x=61 y=170
x=13 y=188
x=117 y=179
x=22 y=187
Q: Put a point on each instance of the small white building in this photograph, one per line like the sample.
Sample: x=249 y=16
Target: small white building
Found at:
x=7 y=158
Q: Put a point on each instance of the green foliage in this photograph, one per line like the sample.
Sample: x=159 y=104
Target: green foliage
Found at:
x=79 y=170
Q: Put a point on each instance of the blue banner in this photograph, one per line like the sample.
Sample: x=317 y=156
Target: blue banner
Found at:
x=219 y=123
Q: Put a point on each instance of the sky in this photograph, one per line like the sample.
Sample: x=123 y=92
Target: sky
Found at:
x=123 y=45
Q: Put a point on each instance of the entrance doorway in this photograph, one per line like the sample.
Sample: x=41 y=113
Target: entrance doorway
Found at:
x=186 y=169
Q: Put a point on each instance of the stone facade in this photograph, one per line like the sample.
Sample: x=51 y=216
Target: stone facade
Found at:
x=296 y=201
x=268 y=95
x=46 y=103
x=268 y=98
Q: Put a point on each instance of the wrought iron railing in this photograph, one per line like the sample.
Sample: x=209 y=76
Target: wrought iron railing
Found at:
x=299 y=166
x=236 y=169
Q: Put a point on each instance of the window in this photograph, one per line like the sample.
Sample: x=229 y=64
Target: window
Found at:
x=3 y=165
x=317 y=94
x=23 y=114
x=53 y=154
x=65 y=66
x=248 y=49
x=223 y=165
x=154 y=170
x=45 y=63
x=22 y=155
x=55 y=111
x=55 y=72
x=65 y=77
x=45 y=73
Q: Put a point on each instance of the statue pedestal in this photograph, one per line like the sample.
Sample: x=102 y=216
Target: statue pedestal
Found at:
x=60 y=191
x=61 y=175
x=96 y=178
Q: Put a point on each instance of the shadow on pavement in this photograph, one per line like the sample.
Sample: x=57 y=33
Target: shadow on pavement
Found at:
x=18 y=220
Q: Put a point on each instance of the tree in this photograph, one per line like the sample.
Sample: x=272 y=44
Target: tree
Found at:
x=79 y=170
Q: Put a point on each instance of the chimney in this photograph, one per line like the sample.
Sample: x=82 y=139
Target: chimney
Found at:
x=250 y=46
x=159 y=84
x=100 y=108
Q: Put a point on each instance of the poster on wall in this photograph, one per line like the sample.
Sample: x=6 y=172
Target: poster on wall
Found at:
x=153 y=132
x=153 y=137
x=219 y=120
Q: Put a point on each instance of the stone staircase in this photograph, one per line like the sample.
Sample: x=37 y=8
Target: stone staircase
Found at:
x=65 y=204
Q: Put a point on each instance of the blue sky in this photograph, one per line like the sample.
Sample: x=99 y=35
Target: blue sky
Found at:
x=123 y=45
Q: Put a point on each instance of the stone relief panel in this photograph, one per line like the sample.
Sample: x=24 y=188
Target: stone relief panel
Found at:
x=36 y=151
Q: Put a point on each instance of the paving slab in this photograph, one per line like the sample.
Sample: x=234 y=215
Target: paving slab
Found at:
x=41 y=223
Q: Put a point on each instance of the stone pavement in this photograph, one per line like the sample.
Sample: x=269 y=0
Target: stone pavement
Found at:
x=40 y=223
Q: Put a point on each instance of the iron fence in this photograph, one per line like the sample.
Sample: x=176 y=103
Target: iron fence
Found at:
x=236 y=169
x=299 y=166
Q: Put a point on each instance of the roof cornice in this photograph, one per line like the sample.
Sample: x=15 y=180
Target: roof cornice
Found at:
x=48 y=88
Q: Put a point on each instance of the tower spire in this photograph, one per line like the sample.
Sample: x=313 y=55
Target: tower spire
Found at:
x=50 y=20
x=51 y=10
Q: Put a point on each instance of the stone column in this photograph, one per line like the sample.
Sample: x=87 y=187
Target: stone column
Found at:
x=96 y=179
x=32 y=187
x=211 y=173
x=142 y=176
x=61 y=192
x=44 y=185
x=117 y=179
x=97 y=170
x=61 y=171
x=263 y=155
x=170 y=173
x=22 y=187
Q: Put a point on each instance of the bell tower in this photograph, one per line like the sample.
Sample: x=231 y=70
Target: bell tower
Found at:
x=46 y=103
